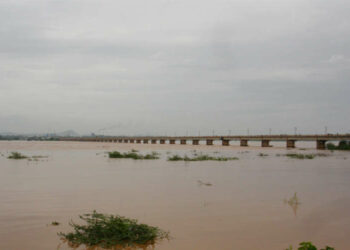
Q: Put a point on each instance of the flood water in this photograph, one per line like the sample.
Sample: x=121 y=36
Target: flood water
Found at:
x=243 y=209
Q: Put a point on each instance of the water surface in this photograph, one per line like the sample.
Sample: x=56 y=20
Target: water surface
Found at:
x=244 y=207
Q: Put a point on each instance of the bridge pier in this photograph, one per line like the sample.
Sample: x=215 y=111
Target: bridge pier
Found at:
x=172 y=141
x=225 y=142
x=195 y=142
x=290 y=143
x=209 y=142
x=321 y=144
x=183 y=142
x=162 y=141
x=244 y=143
x=145 y=141
x=154 y=141
x=265 y=143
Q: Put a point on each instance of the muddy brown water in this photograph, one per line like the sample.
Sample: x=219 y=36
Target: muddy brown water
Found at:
x=242 y=209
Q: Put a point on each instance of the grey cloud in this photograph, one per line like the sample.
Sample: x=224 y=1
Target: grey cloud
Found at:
x=164 y=66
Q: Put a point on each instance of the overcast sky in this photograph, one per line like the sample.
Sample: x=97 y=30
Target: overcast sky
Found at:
x=171 y=66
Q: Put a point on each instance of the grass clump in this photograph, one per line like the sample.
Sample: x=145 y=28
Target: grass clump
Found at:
x=200 y=158
x=112 y=230
x=175 y=158
x=55 y=223
x=133 y=155
x=343 y=145
x=16 y=156
x=201 y=183
x=301 y=156
x=309 y=246
x=262 y=155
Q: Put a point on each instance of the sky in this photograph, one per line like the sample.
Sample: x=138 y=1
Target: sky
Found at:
x=175 y=67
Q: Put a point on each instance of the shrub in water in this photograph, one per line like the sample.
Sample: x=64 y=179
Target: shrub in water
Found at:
x=133 y=155
x=300 y=156
x=17 y=156
x=309 y=246
x=108 y=230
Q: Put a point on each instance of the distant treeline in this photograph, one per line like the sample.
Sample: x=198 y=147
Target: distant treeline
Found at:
x=26 y=138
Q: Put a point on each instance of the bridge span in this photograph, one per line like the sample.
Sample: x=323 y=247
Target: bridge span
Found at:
x=320 y=139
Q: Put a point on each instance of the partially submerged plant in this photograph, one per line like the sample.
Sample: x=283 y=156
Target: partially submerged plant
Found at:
x=300 y=156
x=55 y=223
x=111 y=230
x=201 y=158
x=16 y=156
x=309 y=246
x=262 y=155
x=133 y=155
x=200 y=183
x=294 y=200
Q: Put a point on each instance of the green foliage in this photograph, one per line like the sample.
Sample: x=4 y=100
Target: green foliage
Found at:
x=108 y=230
x=175 y=158
x=133 y=155
x=200 y=158
x=16 y=156
x=306 y=246
x=301 y=156
x=343 y=145
x=309 y=246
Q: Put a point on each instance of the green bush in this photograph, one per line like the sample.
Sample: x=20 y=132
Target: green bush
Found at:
x=309 y=246
x=133 y=155
x=111 y=230
x=16 y=156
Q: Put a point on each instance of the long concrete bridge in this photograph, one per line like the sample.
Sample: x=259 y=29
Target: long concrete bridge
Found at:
x=290 y=140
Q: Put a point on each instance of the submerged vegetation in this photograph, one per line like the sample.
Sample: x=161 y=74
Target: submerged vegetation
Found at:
x=17 y=156
x=201 y=158
x=55 y=223
x=303 y=156
x=262 y=155
x=112 y=230
x=343 y=145
x=133 y=155
x=293 y=200
x=309 y=246
x=201 y=183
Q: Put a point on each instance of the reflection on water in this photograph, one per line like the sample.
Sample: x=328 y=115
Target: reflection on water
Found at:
x=242 y=209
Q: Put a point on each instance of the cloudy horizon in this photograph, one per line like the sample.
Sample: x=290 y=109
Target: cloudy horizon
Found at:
x=174 y=66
